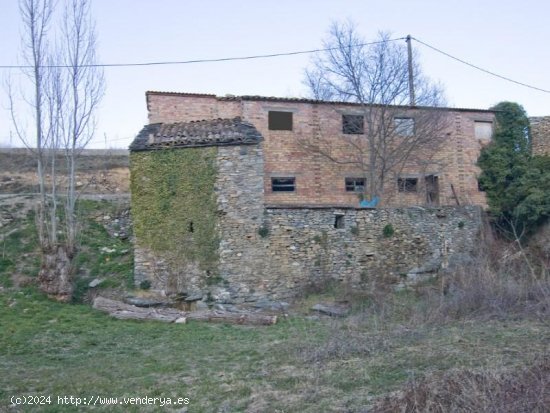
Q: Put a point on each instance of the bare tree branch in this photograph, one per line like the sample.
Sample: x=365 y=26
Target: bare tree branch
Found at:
x=395 y=135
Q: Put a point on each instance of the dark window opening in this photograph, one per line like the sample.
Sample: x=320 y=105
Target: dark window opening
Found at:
x=355 y=184
x=279 y=120
x=407 y=184
x=432 y=189
x=353 y=124
x=190 y=227
x=338 y=221
x=283 y=184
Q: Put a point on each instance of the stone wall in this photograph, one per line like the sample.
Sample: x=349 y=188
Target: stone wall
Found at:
x=240 y=195
x=540 y=132
x=303 y=248
x=276 y=251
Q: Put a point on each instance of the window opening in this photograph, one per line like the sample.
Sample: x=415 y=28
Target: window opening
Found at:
x=279 y=120
x=404 y=126
x=353 y=124
x=407 y=184
x=483 y=130
x=287 y=184
x=355 y=184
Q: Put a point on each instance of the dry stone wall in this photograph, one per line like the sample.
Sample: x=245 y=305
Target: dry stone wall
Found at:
x=302 y=248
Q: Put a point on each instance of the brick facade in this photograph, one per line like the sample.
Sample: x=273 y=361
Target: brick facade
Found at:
x=319 y=181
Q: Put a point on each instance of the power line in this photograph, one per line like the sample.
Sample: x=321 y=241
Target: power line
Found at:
x=480 y=68
x=265 y=56
x=223 y=59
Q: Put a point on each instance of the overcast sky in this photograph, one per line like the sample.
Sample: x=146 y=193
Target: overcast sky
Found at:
x=508 y=37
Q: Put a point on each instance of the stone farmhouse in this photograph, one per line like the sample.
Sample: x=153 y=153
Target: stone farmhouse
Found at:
x=229 y=206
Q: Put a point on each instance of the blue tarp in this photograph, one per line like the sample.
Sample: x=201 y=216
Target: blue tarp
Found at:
x=369 y=204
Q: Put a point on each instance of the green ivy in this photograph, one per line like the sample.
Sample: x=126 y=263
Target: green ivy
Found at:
x=388 y=231
x=174 y=205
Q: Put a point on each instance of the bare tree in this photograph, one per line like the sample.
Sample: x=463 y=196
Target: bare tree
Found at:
x=387 y=133
x=66 y=90
x=85 y=86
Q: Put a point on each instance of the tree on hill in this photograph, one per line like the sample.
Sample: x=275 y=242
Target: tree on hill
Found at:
x=516 y=182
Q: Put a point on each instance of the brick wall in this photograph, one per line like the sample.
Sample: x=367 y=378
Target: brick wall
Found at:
x=318 y=180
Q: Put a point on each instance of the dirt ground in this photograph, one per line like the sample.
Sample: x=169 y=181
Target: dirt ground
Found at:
x=99 y=172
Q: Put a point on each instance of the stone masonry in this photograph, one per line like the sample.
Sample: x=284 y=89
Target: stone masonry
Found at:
x=303 y=248
x=540 y=133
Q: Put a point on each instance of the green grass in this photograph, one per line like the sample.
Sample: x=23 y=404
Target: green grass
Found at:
x=47 y=348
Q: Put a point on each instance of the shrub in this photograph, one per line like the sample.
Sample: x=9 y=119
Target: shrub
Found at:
x=388 y=231
x=515 y=391
x=500 y=282
x=263 y=231
x=517 y=184
x=145 y=285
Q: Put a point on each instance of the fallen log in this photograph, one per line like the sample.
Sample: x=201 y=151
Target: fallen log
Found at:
x=232 y=318
x=130 y=315
x=125 y=311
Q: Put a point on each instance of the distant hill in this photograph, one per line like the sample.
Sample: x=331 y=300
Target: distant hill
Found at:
x=99 y=171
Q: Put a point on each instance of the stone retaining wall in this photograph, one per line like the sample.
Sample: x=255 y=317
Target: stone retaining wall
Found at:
x=302 y=248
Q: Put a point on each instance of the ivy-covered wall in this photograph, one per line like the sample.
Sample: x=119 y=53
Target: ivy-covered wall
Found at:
x=174 y=214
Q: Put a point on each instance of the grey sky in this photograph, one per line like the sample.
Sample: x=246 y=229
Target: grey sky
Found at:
x=507 y=37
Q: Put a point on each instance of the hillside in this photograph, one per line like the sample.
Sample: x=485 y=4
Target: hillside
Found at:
x=99 y=172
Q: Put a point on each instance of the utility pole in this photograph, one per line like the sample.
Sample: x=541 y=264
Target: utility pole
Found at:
x=411 y=75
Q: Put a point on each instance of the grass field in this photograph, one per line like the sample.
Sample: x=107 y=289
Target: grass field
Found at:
x=303 y=365
x=488 y=322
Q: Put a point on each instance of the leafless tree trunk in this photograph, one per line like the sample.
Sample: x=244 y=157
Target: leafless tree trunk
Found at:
x=392 y=135
x=84 y=92
x=66 y=90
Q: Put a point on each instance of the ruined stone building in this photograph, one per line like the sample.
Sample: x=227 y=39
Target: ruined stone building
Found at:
x=229 y=205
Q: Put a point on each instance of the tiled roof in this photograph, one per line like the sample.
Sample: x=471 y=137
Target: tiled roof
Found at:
x=300 y=100
x=215 y=132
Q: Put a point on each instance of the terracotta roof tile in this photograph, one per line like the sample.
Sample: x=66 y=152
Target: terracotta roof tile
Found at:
x=215 y=132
